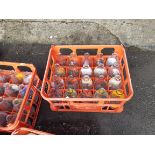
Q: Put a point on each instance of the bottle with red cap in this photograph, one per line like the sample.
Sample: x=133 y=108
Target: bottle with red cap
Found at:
x=72 y=82
x=17 y=78
x=86 y=93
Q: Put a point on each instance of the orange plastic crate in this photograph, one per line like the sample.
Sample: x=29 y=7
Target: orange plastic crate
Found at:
x=26 y=131
x=112 y=105
x=24 y=116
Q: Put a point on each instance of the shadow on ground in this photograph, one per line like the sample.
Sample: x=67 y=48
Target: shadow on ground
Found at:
x=138 y=116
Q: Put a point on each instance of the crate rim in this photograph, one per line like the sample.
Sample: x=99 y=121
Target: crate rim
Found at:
x=86 y=99
x=32 y=67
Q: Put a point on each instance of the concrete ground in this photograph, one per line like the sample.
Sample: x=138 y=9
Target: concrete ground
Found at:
x=29 y=42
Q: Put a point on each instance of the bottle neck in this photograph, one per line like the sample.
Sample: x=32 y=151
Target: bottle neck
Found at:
x=86 y=60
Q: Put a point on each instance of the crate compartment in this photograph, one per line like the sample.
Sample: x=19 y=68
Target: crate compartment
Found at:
x=87 y=104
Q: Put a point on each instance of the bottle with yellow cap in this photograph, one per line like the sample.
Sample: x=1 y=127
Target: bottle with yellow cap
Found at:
x=59 y=70
x=17 y=78
x=117 y=94
x=71 y=93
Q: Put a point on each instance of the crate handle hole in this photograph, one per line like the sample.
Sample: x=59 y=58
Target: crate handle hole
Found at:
x=4 y=67
x=67 y=107
x=24 y=69
x=65 y=51
x=107 y=51
x=105 y=108
x=61 y=107
x=83 y=51
x=112 y=108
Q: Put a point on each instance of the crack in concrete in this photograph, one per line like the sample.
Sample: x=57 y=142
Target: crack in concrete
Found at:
x=63 y=21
